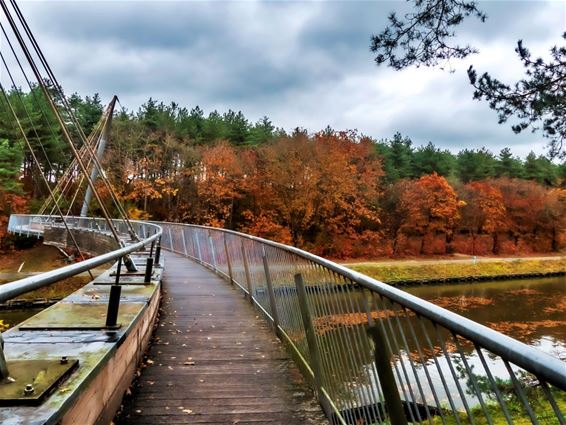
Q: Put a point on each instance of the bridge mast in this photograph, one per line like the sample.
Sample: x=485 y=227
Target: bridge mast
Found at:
x=99 y=153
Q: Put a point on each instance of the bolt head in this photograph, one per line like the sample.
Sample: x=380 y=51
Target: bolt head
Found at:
x=29 y=389
x=64 y=360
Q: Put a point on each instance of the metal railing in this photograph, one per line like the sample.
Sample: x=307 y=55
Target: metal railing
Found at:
x=33 y=225
x=376 y=354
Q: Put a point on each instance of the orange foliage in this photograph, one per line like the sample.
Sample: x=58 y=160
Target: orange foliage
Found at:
x=429 y=206
x=217 y=176
x=484 y=210
x=10 y=203
x=320 y=191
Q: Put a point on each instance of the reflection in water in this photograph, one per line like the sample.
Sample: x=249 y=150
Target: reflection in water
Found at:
x=428 y=357
x=14 y=317
x=528 y=310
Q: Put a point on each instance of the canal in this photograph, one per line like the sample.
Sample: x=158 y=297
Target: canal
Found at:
x=532 y=311
x=426 y=357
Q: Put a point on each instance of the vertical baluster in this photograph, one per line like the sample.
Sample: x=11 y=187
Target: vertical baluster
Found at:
x=271 y=293
x=230 y=274
x=247 y=271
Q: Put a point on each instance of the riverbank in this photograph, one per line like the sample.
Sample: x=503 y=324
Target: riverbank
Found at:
x=415 y=272
x=15 y=265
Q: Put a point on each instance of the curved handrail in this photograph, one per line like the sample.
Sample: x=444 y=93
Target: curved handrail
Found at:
x=265 y=269
x=151 y=232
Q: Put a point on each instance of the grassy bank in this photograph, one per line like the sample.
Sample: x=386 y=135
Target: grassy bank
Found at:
x=429 y=271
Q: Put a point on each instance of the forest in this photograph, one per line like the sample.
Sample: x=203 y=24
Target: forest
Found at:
x=340 y=194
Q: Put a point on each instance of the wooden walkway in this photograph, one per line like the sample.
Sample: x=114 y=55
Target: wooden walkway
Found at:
x=215 y=361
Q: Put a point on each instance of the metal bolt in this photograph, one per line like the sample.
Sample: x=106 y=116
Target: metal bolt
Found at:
x=29 y=389
x=64 y=360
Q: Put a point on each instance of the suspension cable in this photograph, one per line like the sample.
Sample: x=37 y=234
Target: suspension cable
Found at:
x=59 y=119
x=57 y=88
x=41 y=110
x=37 y=163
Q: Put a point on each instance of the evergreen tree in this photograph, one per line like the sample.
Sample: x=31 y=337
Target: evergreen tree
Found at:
x=214 y=128
x=475 y=165
x=397 y=157
x=261 y=132
x=429 y=159
x=508 y=165
x=540 y=169
x=11 y=157
x=237 y=127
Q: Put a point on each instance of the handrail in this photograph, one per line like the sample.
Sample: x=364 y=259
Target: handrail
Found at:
x=416 y=332
x=152 y=232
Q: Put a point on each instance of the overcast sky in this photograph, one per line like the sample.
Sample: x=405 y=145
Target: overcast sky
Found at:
x=303 y=64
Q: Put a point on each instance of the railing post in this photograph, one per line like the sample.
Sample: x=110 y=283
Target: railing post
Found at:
x=114 y=300
x=212 y=253
x=184 y=242
x=271 y=293
x=148 y=270
x=228 y=261
x=314 y=354
x=248 y=278
x=198 y=246
x=386 y=378
x=158 y=252
x=170 y=239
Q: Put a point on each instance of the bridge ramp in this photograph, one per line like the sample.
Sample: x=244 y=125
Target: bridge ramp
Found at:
x=215 y=361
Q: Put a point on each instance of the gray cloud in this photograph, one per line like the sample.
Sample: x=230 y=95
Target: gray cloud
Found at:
x=303 y=64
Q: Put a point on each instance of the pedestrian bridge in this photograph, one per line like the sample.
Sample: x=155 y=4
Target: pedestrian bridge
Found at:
x=252 y=331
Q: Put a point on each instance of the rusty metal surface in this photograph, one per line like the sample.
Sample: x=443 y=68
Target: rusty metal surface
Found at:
x=34 y=380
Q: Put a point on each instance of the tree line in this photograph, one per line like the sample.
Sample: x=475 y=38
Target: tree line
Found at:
x=336 y=193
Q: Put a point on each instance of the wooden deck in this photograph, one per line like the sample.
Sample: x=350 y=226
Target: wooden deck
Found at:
x=215 y=361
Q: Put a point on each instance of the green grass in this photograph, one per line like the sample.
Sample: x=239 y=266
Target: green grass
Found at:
x=541 y=407
x=392 y=273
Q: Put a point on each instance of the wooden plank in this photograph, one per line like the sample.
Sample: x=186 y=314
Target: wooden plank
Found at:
x=214 y=360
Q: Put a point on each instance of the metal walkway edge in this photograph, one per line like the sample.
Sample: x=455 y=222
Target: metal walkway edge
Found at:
x=214 y=361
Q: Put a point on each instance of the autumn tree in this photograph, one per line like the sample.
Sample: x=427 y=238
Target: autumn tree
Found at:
x=484 y=212
x=552 y=219
x=322 y=190
x=218 y=176
x=431 y=207
x=524 y=202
